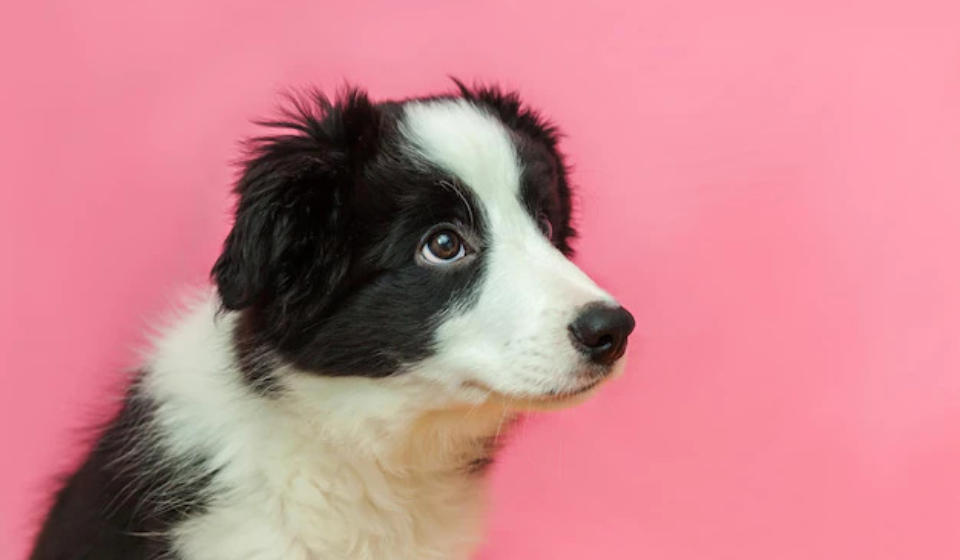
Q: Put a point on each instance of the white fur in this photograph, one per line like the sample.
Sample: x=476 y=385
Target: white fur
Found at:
x=372 y=469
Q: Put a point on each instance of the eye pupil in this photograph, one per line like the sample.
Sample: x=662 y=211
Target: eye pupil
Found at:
x=444 y=245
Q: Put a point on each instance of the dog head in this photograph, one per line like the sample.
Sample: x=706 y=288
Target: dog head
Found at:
x=427 y=238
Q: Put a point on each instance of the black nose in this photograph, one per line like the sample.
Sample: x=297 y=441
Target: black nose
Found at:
x=601 y=331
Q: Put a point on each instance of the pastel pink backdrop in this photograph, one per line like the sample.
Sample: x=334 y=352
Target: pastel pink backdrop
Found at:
x=772 y=187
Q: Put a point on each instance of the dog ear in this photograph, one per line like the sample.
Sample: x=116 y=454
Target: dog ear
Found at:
x=293 y=206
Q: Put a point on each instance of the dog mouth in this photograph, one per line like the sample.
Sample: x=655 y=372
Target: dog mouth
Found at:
x=547 y=399
x=562 y=395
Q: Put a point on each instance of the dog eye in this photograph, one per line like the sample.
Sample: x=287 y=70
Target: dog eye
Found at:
x=546 y=226
x=444 y=247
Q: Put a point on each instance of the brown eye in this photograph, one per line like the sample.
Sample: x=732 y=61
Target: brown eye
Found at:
x=545 y=225
x=443 y=247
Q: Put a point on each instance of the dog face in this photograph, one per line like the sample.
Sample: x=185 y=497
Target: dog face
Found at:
x=427 y=239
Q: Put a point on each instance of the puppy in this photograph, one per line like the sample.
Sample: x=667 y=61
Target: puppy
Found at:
x=395 y=288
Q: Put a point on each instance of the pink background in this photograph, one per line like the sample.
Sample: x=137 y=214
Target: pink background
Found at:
x=772 y=187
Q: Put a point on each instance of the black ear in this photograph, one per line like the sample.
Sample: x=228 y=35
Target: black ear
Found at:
x=293 y=206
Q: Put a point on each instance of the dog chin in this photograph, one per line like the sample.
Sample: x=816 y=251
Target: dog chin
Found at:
x=549 y=401
x=553 y=400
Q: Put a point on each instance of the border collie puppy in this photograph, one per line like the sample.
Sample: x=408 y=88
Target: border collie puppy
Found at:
x=394 y=290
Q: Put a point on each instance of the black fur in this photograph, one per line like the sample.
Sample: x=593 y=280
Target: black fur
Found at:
x=124 y=497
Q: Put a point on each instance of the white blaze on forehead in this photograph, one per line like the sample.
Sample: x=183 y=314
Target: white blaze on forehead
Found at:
x=471 y=144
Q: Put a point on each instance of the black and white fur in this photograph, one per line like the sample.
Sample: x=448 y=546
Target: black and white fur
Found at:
x=339 y=392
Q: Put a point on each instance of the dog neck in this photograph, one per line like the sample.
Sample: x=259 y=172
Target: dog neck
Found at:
x=206 y=406
x=387 y=470
x=393 y=421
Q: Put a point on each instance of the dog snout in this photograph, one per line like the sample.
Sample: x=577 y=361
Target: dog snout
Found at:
x=600 y=332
